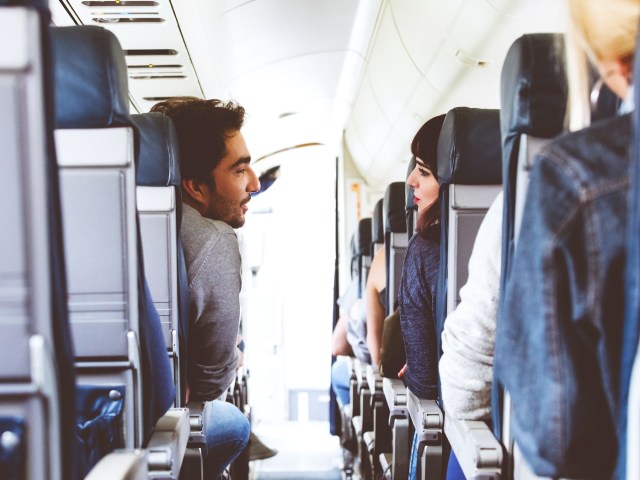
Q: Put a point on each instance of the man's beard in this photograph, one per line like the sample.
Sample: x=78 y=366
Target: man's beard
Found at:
x=229 y=212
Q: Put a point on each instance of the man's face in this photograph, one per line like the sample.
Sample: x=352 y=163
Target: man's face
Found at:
x=233 y=181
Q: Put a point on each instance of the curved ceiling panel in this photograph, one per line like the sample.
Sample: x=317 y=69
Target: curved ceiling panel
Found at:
x=392 y=74
x=369 y=120
x=422 y=26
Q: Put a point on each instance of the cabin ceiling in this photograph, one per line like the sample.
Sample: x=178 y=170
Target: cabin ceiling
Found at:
x=308 y=70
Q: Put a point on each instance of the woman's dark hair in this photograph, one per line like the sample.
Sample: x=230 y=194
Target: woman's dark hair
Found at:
x=425 y=148
x=203 y=127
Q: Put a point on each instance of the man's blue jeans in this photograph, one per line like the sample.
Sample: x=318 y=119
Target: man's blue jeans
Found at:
x=226 y=430
x=340 y=378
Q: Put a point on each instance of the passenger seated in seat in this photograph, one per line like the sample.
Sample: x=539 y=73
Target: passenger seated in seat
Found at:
x=349 y=340
x=374 y=296
x=564 y=304
x=417 y=294
x=217 y=182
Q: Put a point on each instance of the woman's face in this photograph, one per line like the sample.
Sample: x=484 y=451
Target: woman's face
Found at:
x=425 y=185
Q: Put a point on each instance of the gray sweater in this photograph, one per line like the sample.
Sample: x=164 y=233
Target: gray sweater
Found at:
x=214 y=271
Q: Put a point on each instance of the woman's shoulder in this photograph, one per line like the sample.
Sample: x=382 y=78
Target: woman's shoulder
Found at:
x=424 y=249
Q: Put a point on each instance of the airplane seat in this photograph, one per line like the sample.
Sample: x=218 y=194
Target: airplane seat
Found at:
x=533 y=97
x=378 y=440
x=377 y=227
x=115 y=326
x=533 y=94
x=37 y=419
x=411 y=209
x=469 y=176
x=159 y=200
x=363 y=251
x=395 y=240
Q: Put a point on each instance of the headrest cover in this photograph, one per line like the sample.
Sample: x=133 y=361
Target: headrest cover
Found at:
x=394 y=203
x=469 y=151
x=158 y=161
x=377 y=223
x=408 y=190
x=90 y=78
x=363 y=237
x=533 y=86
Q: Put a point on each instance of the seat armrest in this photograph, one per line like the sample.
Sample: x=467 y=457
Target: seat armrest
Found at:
x=196 y=435
x=425 y=414
x=369 y=439
x=477 y=450
x=121 y=465
x=168 y=444
x=386 y=464
x=374 y=379
x=395 y=393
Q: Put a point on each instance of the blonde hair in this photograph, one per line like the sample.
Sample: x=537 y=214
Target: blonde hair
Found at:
x=599 y=30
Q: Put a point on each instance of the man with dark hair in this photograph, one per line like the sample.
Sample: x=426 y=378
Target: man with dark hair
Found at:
x=217 y=182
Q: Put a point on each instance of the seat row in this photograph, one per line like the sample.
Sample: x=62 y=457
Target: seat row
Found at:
x=480 y=154
x=93 y=289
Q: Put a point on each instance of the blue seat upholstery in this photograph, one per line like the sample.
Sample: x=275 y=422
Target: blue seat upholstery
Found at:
x=533 y=98
x=395 y=240
x=362 y=241
x=159 y=166
x=36 y=351
x=469 y=155
x=411 y=209
x=92 y=99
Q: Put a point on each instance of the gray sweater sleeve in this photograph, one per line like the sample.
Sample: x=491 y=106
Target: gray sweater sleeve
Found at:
x=214 y=286
x=468 y=338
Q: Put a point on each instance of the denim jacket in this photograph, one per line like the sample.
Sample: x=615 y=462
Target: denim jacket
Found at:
x=559 y=330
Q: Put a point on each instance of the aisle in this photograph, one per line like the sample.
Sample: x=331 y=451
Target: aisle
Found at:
x=306 y=451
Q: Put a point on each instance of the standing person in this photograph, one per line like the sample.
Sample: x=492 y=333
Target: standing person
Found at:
x=564 y=302
x=217 y=182
x=417 y=294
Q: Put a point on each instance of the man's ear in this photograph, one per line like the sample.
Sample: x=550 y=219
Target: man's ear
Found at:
x=197 y=191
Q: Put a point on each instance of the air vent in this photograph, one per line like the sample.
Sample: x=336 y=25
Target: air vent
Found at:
x=120 y=3
x=129 y=20
x=154 y=77
x=156 y=65
x=466 y=59
x=124 y=11
x=150 y=52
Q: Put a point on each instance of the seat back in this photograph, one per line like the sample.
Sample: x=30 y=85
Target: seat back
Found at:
x=469 y=174
x=411 y=209
x=395 y=240
x=377 y=227
x=108 y=299
x=37 y=393
x=363 y=251
x=159 y=201
x=533 y=91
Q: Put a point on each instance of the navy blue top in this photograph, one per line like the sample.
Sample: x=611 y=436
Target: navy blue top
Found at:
x=417 y=300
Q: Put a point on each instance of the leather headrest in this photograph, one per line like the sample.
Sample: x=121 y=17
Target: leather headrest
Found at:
x=533 y=87
x=469 y=151
x=158 y=160
x=394 y=212
x=363 y=237
x=90 y=78
x=377 y=223
x=408 y=190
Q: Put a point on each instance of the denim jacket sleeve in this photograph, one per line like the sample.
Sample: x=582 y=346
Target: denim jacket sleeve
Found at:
x=557 y=327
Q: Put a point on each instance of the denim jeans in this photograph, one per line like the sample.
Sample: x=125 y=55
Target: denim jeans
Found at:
x=454 y=471
x=226 y=430
x=559 y=331
x=340 y=377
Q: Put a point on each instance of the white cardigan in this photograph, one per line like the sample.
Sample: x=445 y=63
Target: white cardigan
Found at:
x=468 y=338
